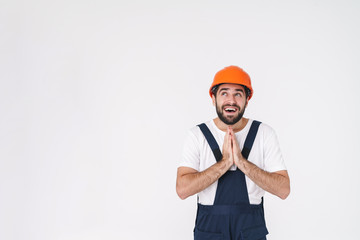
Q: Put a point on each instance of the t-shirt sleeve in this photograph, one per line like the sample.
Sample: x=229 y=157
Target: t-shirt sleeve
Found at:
x=273 y=158
x=191 y=152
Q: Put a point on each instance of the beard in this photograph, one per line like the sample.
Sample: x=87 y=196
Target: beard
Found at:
x=232 y=119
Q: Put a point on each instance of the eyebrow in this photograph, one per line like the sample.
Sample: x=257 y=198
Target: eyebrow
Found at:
x=237 y=89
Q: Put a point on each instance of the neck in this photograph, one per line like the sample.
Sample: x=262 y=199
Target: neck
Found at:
x=236 y=127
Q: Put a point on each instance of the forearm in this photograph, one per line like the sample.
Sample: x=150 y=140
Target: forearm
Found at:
x=188 y=184
x=277 y=183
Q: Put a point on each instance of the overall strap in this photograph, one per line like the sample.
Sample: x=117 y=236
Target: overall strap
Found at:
x=211 y=140
x=249 y=141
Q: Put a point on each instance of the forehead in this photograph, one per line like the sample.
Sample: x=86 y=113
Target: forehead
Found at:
x=231 y=86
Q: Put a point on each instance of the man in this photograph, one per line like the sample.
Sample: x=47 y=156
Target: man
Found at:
x=231 y=183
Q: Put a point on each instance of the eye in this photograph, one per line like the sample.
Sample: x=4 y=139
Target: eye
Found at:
x=223 y=94
x=238 y=94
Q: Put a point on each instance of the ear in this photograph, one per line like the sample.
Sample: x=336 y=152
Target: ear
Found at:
x=213 y=99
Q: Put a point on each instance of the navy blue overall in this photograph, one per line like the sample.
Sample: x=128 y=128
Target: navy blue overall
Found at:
x=232 y=217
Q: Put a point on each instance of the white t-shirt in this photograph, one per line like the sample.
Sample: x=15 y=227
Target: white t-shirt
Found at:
x=265 y=154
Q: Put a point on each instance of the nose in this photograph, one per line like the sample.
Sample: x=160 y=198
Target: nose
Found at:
x=231 y=99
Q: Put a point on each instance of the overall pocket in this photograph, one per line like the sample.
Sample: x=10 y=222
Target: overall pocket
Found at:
x=200 y=235
x=254 y=233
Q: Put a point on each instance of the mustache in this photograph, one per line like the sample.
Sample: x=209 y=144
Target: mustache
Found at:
x=231 y=105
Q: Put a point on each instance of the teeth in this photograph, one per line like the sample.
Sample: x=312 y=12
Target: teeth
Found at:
x=230 y=109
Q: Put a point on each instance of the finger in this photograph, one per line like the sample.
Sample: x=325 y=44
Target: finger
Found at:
x=229 y=130
x=234 y=138
x=233 y=141
x=227 y=142
x=230 y=140
x=226 y=139
x=236 y=143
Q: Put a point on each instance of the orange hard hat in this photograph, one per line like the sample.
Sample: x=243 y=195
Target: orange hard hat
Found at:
x=232 y=74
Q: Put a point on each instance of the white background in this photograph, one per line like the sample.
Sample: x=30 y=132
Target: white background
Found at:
x=96 y=98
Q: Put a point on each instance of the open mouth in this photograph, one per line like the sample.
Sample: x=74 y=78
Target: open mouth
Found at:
x=230 y=109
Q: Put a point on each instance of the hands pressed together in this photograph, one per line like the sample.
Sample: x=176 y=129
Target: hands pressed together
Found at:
x=231 y=150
